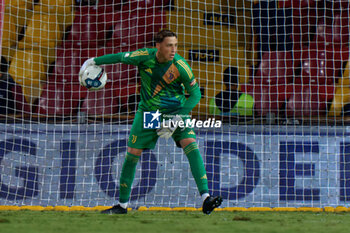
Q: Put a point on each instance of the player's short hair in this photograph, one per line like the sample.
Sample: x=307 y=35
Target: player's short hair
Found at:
x=231 y=75
x=163 y=34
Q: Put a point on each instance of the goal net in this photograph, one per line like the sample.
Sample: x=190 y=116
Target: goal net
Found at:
x=275 y=74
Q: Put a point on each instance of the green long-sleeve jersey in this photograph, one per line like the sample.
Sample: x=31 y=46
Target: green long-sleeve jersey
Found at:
x=163 y=85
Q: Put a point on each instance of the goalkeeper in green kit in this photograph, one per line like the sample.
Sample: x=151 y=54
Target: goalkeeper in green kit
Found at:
x=165 y=76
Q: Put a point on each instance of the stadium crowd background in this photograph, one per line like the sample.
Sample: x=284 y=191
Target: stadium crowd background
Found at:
x=292 y=56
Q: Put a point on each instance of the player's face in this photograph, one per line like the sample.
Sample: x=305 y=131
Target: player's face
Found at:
x=167 y=49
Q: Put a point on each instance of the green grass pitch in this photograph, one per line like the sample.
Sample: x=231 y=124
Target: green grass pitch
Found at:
x=172 y=221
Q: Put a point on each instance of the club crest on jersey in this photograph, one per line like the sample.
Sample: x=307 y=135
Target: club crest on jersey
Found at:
x=171 y=74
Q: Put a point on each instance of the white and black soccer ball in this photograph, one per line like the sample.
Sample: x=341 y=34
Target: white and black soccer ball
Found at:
x=93 y=78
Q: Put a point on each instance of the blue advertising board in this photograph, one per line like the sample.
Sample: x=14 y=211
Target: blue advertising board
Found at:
x=248 y=166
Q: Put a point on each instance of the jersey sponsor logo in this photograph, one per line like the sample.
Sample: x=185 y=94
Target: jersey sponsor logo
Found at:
x=127 y=55
x=139 y=53
x=171 y=74
x=186 y=68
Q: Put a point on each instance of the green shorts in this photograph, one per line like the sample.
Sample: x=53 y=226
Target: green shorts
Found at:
x=141 y=138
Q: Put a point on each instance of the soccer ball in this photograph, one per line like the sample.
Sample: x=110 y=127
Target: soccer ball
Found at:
x=93 y=78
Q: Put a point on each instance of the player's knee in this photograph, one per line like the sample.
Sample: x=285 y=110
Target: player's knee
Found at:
x=135 y=151
x=186 y=141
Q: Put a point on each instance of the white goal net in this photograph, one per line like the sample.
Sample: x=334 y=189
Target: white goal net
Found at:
x=276 y=73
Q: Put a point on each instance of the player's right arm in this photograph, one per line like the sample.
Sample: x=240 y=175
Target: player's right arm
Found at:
x=131 y=58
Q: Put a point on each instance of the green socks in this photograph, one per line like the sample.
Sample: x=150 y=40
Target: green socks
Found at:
x=196 y=163
x=127 y=176
x=197 y=167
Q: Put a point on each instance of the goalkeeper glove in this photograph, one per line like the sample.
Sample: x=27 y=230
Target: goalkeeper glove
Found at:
x=87 y=63
x=173 y=124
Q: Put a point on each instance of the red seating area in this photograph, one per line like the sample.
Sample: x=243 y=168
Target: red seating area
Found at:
x=269 y=84
x=22 y=107
x=147 y=4
x=304 y=21
x=302 y=82
x=61 y=99
x=135 y=29
x=308 y=100
x=88 y=37
x=321 y=64
x=70 y=59
x=293 y=83
x=278 y=89
x=118 y=5
x=87 y=30
x=92 y=26
x=334 y=30
x=111 y=99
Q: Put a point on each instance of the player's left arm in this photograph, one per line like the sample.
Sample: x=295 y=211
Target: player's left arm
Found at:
x=191 y=86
